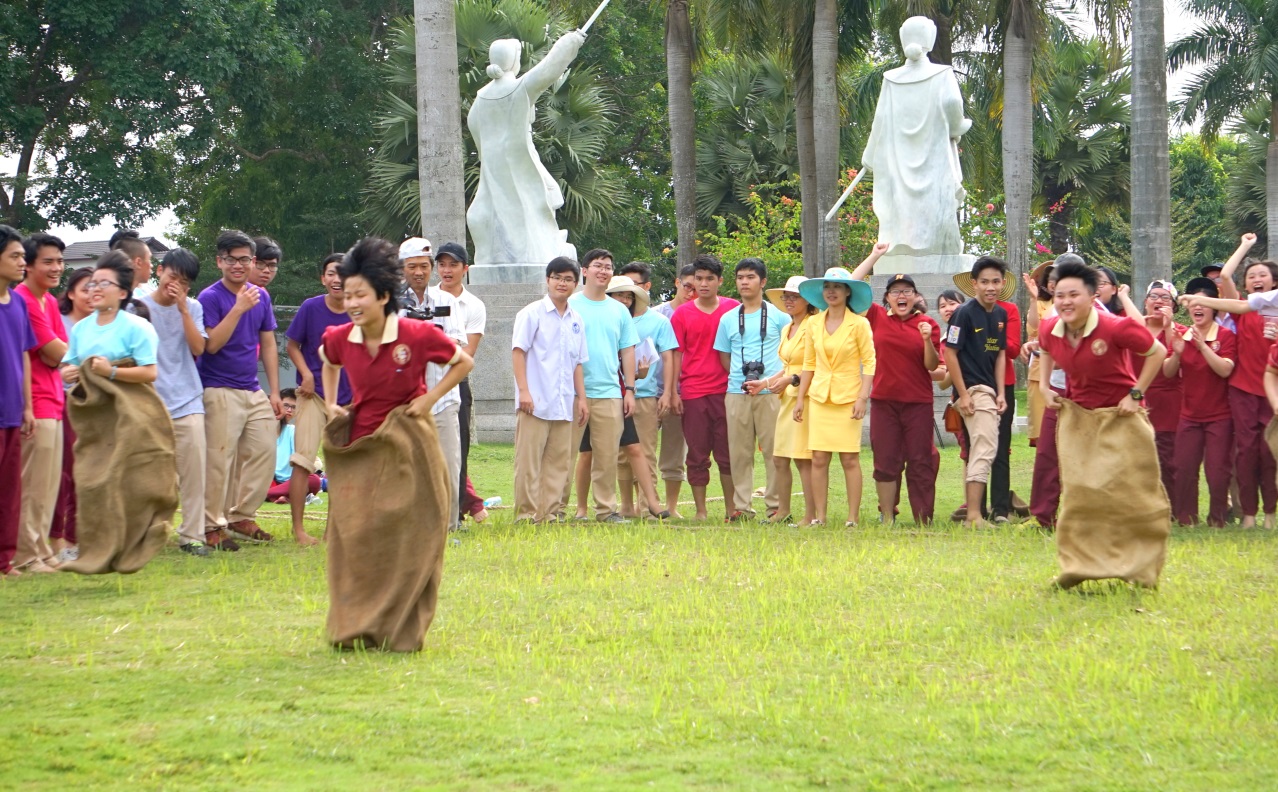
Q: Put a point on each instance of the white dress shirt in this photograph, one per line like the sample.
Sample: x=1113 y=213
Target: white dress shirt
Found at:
x=555 y=346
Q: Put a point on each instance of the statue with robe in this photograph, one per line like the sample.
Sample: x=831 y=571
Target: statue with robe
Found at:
x=912 y=154
x=512 y=218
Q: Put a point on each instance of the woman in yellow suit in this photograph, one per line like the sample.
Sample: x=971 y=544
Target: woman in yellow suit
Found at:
x=838 y=370
x=791 y=440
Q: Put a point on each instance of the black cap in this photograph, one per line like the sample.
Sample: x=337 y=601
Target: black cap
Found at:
x=1210 y=268
x=1202 y=285
x=895 y=279
x=454 y=250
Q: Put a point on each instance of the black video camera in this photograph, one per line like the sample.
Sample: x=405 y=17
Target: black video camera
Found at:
x=429 y=313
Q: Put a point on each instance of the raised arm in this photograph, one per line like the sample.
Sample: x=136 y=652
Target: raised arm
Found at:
x=867 y=266
x=1227 y=288
x=556 y=62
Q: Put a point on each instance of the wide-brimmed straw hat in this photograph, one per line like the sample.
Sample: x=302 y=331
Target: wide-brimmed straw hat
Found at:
x=792 y=286
x=1036 y=274
x=623 y=283
x=860 y=300
x=964 y=283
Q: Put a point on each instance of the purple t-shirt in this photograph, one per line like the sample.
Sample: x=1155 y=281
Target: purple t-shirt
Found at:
x=234 y=365
x=307 y=329
x=16 y=339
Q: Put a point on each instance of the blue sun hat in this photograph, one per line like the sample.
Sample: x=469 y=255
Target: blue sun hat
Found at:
x=860 y=301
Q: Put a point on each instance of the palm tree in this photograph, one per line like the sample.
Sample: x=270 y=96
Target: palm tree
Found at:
x=438 y=113
x=1237 y=46
x=825 y=125
x=1021 y=26
x=1151 y=164
x=683 y=126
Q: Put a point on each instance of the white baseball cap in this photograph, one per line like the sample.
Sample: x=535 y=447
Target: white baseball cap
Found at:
x=414 y=247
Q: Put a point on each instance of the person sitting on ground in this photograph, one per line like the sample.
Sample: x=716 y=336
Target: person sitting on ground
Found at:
x=285 y=449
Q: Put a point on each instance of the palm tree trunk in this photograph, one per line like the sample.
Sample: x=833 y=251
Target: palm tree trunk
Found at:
x=806 y=144
x=1018 y=146
x=439 y=135
x=683 y=128
x=1271 y=182
x=1151 y=165
x=825 y=128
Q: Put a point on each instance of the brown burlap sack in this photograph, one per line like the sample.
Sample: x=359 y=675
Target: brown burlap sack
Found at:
x=387 y=527
x=1115 y=517
x=125 y=473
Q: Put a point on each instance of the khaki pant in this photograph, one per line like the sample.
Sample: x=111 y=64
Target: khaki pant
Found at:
x=982 y=433
x=605 y=424
x=646 y=423
x=674 y=451
x=543 y=454
x=240 y=430
x=41 y=476
x=308 y=427
x=751 y=420
x=449 y=428
x=192 y=455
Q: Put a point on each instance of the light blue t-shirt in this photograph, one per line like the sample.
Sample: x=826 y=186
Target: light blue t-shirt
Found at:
x=127 y=336
x=284 y=452
x=657 y=328
x=609 y=329
x=177 y=379
x=753 y=346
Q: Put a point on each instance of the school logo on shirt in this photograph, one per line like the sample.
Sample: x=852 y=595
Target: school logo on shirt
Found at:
x=401 y=354
x=576 y=327
x=1215 y=346
x=953 y=335
x=1099 y=347
x=1001 y=325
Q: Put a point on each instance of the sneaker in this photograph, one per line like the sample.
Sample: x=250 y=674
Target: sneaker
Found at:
x=68 y=554
x=218 y=540
x=249 y=531
x=196 y=549
x=614 y=518
x=311 y=500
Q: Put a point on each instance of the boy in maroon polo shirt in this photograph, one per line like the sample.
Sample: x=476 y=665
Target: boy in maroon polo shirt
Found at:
x=703 y=382
x=17 y=421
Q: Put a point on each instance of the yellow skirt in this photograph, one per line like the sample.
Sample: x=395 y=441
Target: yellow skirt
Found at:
x=791 y=439
x=831 y=428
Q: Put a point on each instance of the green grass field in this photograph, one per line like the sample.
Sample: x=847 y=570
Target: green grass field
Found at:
x=660 y=656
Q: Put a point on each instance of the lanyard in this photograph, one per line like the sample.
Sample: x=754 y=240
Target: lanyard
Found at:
x=763 y=329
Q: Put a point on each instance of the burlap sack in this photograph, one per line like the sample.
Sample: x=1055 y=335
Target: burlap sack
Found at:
x=125 y=473
x=1115 y=516
x=387 y=528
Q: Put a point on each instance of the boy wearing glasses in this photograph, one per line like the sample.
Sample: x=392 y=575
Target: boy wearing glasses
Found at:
x=266 y=262
x=548 y=350
x=179 y=323
x=239 y=419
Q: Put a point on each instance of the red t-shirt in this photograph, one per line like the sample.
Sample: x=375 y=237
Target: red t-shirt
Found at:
x=1013 y=348
x=1163 y=397
x=396 y=376
x=1097 y=372
x=1206 y=392
x=1253 y=349
x=701 y=373
x=47 y=395
x=900 y=375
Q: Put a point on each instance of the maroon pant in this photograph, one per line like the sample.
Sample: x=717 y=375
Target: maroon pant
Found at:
x=705 y=430
x=1166 y=444
x=1253 y=462
x=280 y=488
x=11 y=501
x=1045 y=488
x=901 y=438
x=1199 y=442
x=64 y=510
x=470 y=502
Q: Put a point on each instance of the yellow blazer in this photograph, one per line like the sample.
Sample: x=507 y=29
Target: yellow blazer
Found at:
x=838 y=360
x=792 y=349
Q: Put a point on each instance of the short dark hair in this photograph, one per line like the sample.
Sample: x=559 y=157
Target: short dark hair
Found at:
x=752 y=265
x=329 y=259
x=183 y=262
x=230 y=239
x=708 y=263
x=64 y=299
x=122 y=233
x=288 y=393
x=638 y=268
x=376 y=261
x=32 y=244
x=687 y=271
x=563 y=264
x=132 y=246
x=593 y=255
x=9 y=234
x=988 y=262
x=267 y=248
x=1269 y=265
x=1072 y=269
x=951 y=295
x=119 y=262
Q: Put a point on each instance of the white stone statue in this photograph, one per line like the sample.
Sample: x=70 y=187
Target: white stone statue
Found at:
x=913 y=156
x=512 y=219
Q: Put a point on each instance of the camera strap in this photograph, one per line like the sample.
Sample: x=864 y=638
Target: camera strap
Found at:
x=763 y=329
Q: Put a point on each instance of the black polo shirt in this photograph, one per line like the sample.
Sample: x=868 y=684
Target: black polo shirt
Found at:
x=977 y=336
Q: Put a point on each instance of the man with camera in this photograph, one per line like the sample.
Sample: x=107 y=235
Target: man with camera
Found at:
x=431 y=304
x=747 y=342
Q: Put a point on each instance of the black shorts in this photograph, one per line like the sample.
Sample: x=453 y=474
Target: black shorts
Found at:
x=629 y=436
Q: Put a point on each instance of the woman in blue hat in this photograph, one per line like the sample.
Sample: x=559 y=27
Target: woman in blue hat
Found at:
x=834 y=389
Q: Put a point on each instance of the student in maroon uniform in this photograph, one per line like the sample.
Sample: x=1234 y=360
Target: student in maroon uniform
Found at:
x=1202 y=359
x=1163 y=399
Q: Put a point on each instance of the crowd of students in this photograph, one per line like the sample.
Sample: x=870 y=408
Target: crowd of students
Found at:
x=625 y=399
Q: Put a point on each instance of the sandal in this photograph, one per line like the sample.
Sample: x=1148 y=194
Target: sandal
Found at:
x=249 y=531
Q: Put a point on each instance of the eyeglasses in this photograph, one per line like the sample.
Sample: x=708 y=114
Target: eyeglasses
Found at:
x=1101 y=283
x=598 y=266
x=687 y=286
x=901 y=293
x=568 y=279
x=243 y=261
x=91 y=285
x=264 y=266
x=1160 y=296
x=289 y=407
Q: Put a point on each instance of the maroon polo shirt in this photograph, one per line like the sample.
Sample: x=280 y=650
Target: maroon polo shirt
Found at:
x=898 y=346
x=1097 y=372
x=1206 y=395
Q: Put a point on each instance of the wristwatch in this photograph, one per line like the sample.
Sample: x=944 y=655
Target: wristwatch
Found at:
x=794 y=380
x=1137 y=394
x=630 y=388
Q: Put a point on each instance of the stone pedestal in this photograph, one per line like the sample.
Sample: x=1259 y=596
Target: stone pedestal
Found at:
x=506 y=275
x=925 y=265
x=492 y=383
